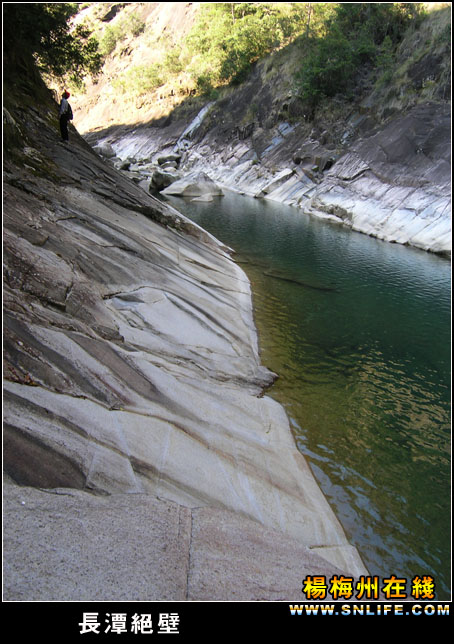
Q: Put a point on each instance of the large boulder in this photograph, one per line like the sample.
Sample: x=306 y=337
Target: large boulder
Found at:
x=161 y=179
x=174 y=158
x=105 y=150
x=194 y=185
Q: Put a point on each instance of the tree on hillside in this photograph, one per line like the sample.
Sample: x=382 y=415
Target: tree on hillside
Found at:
x=356 y=36
x=42 y=31
x=229 y=36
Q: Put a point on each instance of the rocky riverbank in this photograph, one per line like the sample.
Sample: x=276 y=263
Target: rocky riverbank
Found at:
x=378 y=162
x=142 y=459
x=391 y=181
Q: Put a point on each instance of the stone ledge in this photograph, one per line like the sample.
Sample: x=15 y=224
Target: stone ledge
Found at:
x=69 y=545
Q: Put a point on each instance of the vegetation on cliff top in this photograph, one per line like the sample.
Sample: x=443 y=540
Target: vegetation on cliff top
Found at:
x=356 y=35
x=335 y=42
x=229 y=37
x=43 y=31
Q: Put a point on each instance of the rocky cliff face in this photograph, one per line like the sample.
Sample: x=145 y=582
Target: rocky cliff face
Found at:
x=142 y=460
x=379 y=164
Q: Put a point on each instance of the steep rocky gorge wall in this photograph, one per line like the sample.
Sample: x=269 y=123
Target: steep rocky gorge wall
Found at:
x=391 y=181
x=380 y=164
x=142 y=460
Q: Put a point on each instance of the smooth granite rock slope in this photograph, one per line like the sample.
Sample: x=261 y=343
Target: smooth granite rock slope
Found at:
x=135 y=420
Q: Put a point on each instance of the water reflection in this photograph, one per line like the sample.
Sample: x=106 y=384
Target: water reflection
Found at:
x=359 y=332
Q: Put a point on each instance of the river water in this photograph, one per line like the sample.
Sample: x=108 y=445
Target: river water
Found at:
x=358 y=331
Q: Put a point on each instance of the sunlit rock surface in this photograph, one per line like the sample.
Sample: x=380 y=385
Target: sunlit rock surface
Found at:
x=135 y=423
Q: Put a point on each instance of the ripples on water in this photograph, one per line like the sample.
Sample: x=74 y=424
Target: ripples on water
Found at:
x=359 y=332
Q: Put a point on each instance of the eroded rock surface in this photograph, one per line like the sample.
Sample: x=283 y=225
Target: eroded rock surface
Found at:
x=391 y=181
x=133 y=391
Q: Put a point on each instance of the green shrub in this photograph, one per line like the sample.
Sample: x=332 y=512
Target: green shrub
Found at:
x=357 y=34
x=328 y=67
x=228 y=38
x=109 y=40
x=133 y=25
x=385 y=61
x=140 y=80
x=113 y=34
x=204 y=85
x=172 y=63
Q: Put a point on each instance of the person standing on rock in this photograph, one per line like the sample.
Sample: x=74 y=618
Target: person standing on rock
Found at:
x=65 y=115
